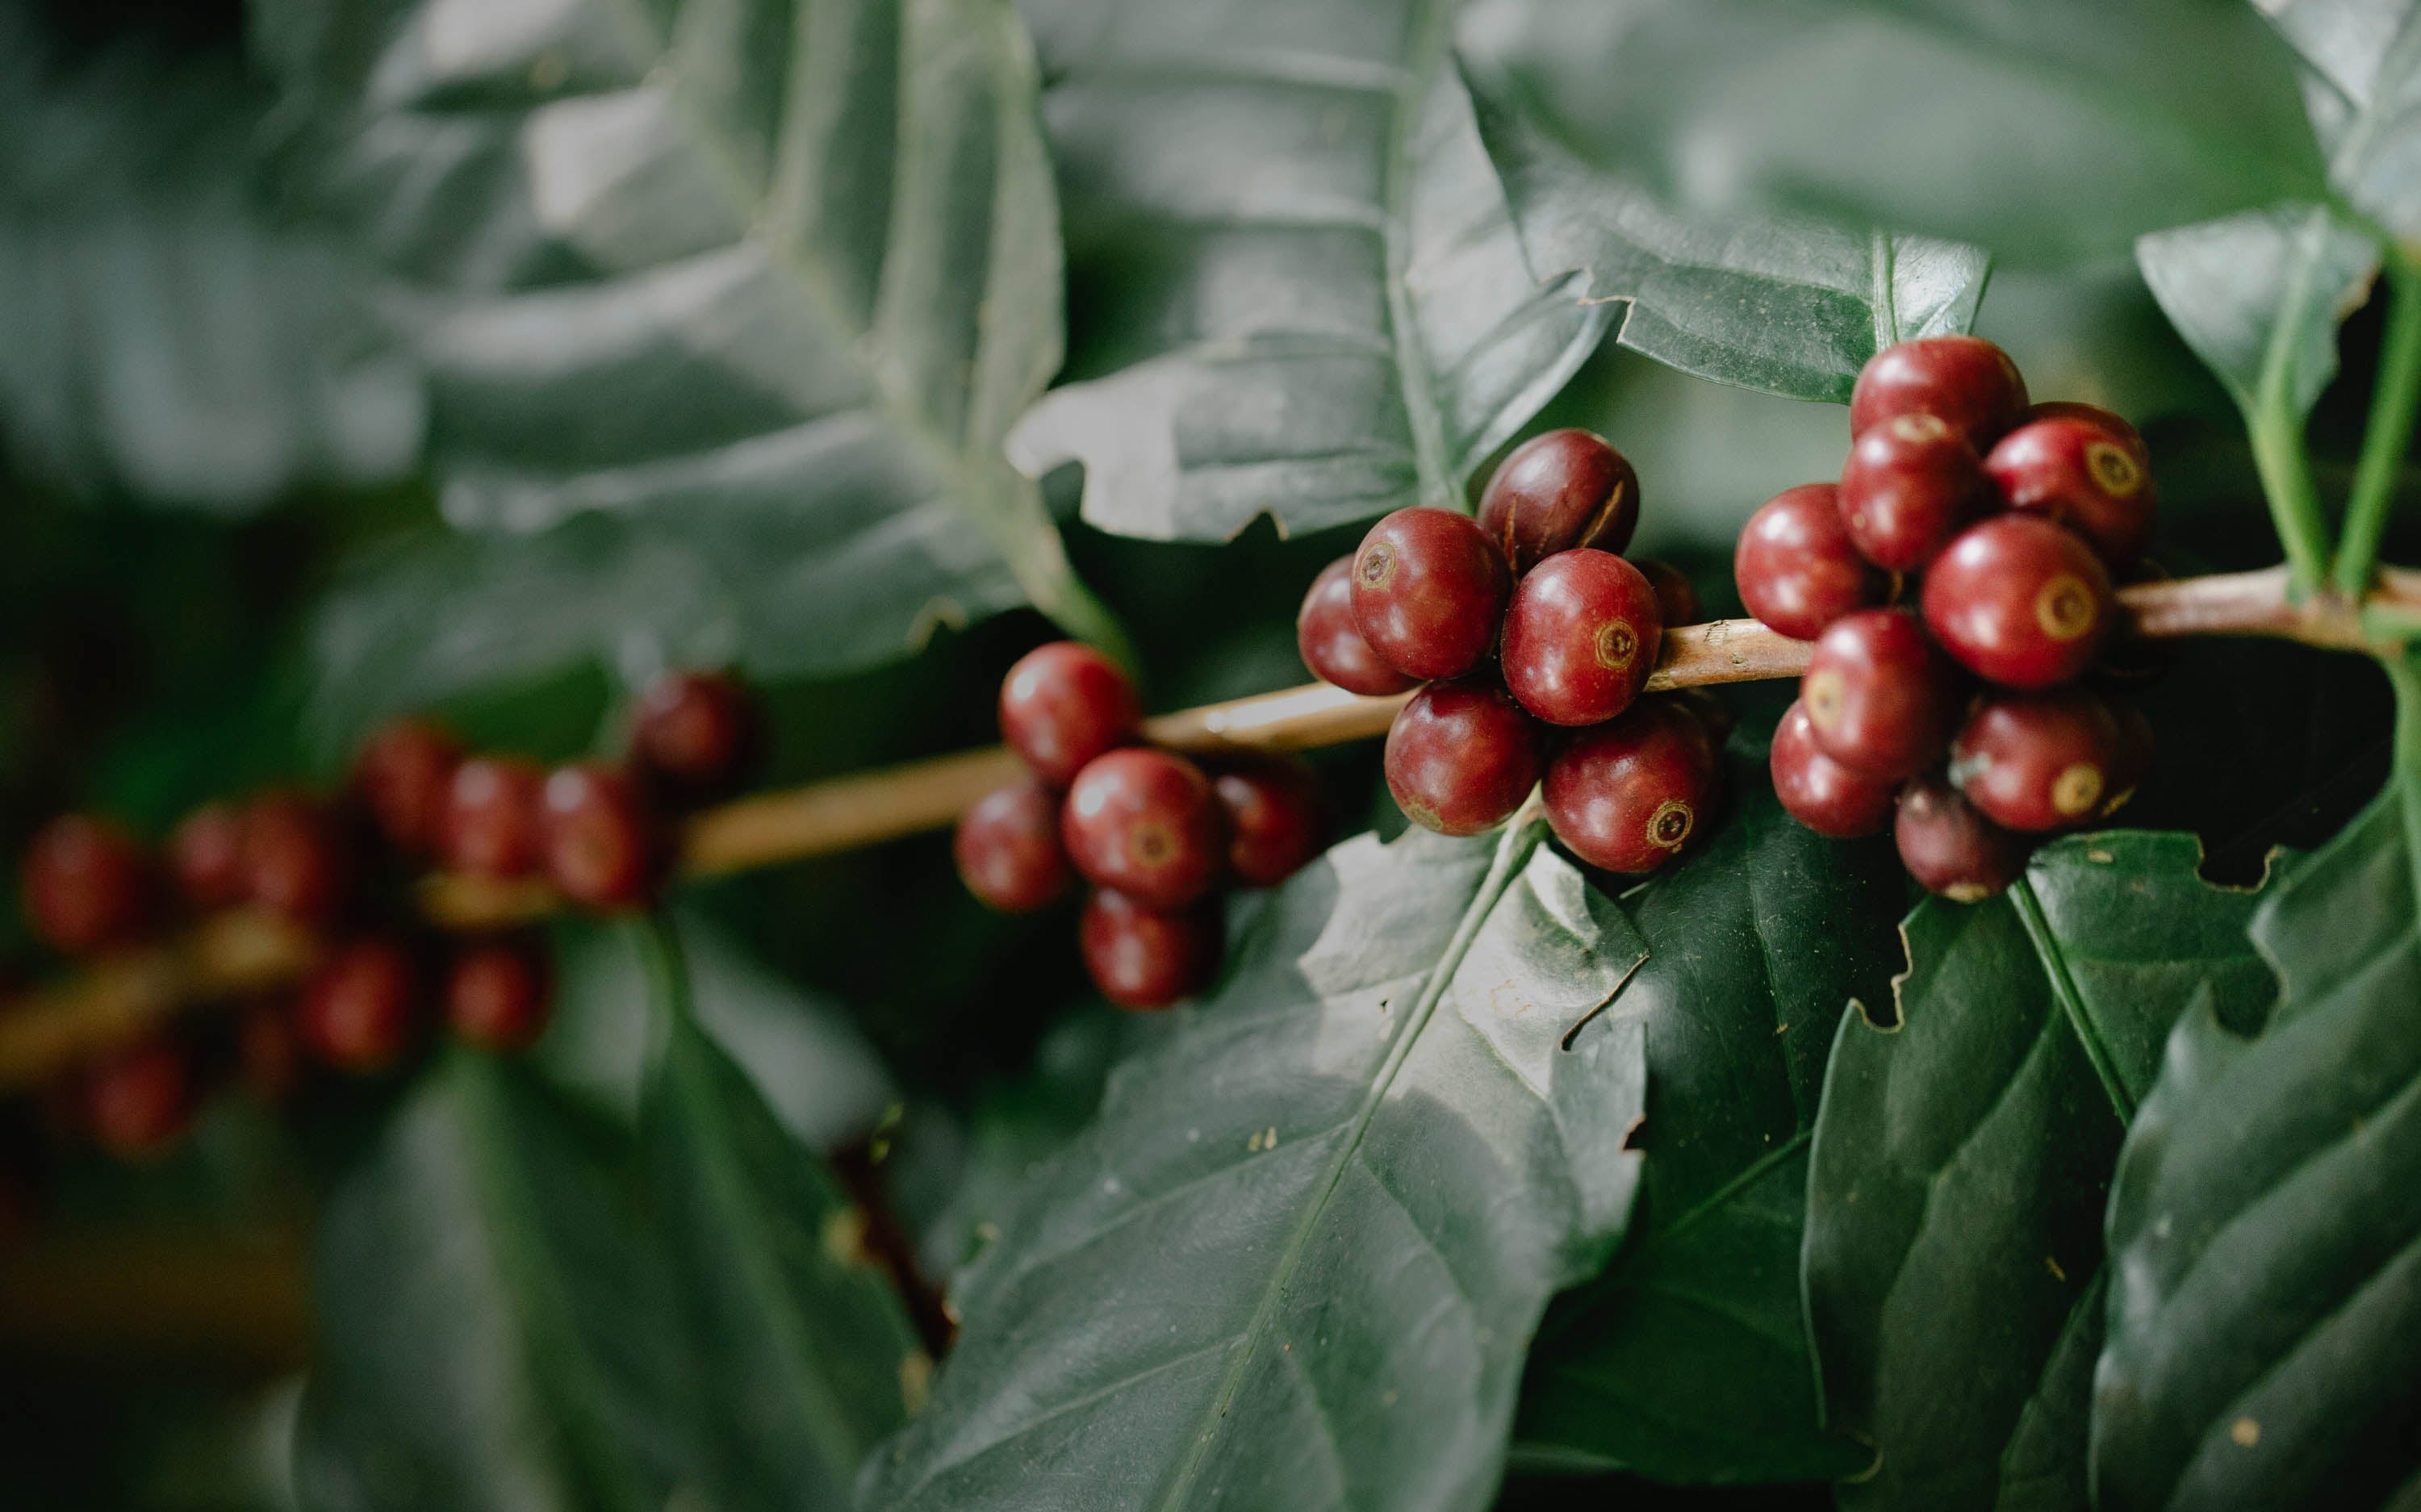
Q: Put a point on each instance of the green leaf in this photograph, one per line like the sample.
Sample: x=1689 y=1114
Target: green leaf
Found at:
x=1961 y=1158
x=2269 y=287
x=1296 y=1262
x=1286 y=241
x=2363 y=90
x=1687 y=1359
x=2266 y=1219
x=766 y=288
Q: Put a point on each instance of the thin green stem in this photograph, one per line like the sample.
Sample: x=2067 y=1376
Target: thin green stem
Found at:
x=2063 y=990
x=2273 y=424
x=2395 y=400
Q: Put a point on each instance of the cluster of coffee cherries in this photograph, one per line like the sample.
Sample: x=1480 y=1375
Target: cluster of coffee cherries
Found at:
x=1153 y=832
x=336 y=866
x=1963 y=723
x=1530 y=638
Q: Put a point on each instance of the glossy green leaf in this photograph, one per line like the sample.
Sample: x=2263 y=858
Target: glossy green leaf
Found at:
x=2266 y=285
x=1301 y=291
x=1961 y=1160
x=2265 y=1306
x=2363 y=90
x=1295 y=1263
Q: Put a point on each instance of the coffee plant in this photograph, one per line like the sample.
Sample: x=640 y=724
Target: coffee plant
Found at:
x=1416 y=756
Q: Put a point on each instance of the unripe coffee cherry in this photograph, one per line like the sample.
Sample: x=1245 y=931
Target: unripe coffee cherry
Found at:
x=403 y=774
x=1009 y=848
x=86 y=886
x=494 y=825
x=695 y=736
x=499 y=993
x=1880 y=698
x=1581 y=637
x=206 y=858
x=2109 y=420
x=139 y=1099
x=2019 y=601
x=1553 y=492
x=2082 y=476
x=1628 y=795
x=1953 y=849
x=1064 y=704
x=1430 y=589
x=1145 y=824
x=1909 y=484
x=1331 y=643
x=360 y=1010
x=1967 y=381
x=1818 y=791
x=1796 y=567
x=1677 y=596
x=2038 y=761
x=602 y=851
x=298 y=861
x=1144 y=958
x=1276 y=818
x=1462 y=756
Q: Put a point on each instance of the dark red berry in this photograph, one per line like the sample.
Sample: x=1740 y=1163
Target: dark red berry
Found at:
x=493 y=824
x=206 y=858
x=2019 y=601
x=1553 y=492
x=1953 y=849
x=1276 y=819
x=1009 y=848
x=296 y=860
x=1146 y=823
x=2109 y=420
x=1677 y=596
x=1796 y=567
x=1967 y=381
x=2038 y=761
x=1145 y=958
x=1462 y=756
x=695 y=735
x=360 y=1010
x=269 y=1057
x=403 y=774
x=1331 y=643
x=1880 y=698
x=139 y=1099
x=1818 y=791
x=86 y=886
x=1430 y=589
x=1064 y=704
x=499 y=993
x=2082 y=476
x=602 y=851
x=1581 y=637
x=1628 y=795
x=1909 y=484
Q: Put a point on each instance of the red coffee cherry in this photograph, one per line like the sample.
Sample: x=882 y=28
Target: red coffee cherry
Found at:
x=1677 y=596
x=1428 y=592
x=2019 y=601
x=2038 y=761
x=1009 y=849
x=139 y=1100
x=1967 y=381
x=206 y=858
x=499 y=993
x=268 y=1055
x=1909 y=484
x=402 y=774
x=602 y=851
x=1820 y=792
x=1064 y=704
x=494 y=825
x=1581 y=637
x=86 y=886
x=696 y=735
x=2085 y=478
x=1145 y=958
x=1276 y=819
x=1462 y=756
x=1331 y=643
x=1880 y=698
x=296 y=858
x=1553 y=492
x=1628 y=795
x=360 y=1010
x=1144 y=822
x=2109 y=420
x=1796 y=567
x=1953 y=849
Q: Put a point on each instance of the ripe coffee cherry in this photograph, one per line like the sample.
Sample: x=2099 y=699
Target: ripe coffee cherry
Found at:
x=493 y=826
x=1677 y=596
x=360 y=1010
x=1818 y=791
x=2038 y=761
x=1796 y=567
x=1967 y=381
x=1144 y=958
x=602 y=847
x=2108 y=420
x=1628 y=795
x=1429 y=591
x=1581 y=637
x=2082 y=476
x=402 y=774
x=206 y=858
x=1276 y=818
x=499 y=993
x=139 y=1100
x=1953 y=849
x=2019 y=601
x=296 y=860
x=86 y=886
x=1462 y=756
x=1331 y=643
x=1880 y=698
x=269 y=1056
x=695 y=735
x=1064 y=704
x=1009 y=849
x=1146 y=823
x=1557 y=491
x=1909 y=484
